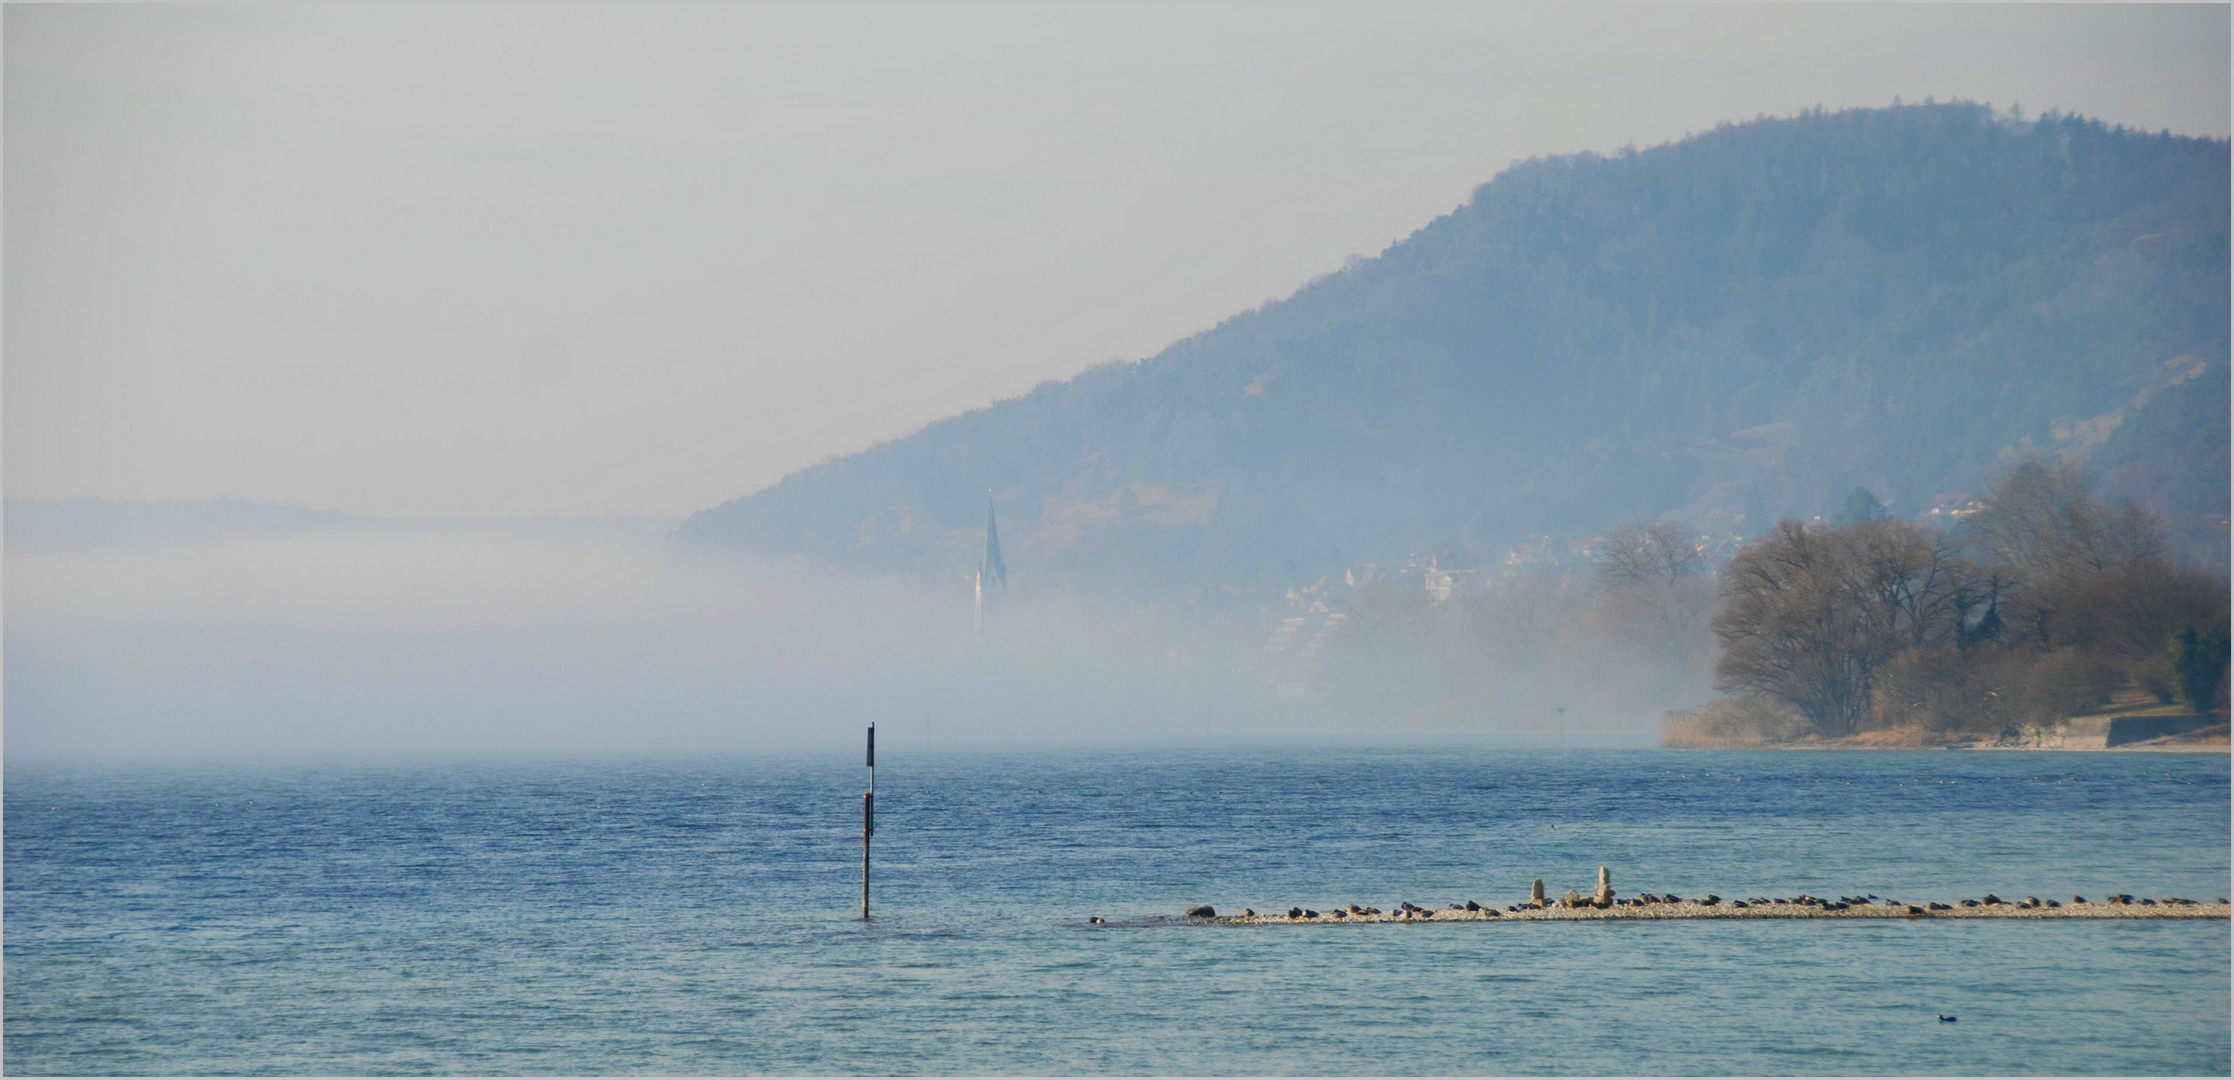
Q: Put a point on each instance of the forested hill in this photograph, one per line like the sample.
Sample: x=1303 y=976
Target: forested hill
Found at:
x=1743 y=325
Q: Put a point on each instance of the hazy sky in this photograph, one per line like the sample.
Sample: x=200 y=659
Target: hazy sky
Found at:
x=440 y=259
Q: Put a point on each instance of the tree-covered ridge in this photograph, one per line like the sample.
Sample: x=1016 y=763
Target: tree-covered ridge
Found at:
x=1740 y=326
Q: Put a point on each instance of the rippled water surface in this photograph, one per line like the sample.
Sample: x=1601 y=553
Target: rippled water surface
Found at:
x=699 y=917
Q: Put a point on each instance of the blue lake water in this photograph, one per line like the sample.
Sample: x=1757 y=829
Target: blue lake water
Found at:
x=699 y=917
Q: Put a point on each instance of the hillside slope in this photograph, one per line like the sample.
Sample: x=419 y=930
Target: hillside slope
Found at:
x=1743 y=325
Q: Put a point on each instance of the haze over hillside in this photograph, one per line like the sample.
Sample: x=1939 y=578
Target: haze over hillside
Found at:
x=1738 y=327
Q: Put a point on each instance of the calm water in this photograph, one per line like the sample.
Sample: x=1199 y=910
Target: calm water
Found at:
x=697 y=917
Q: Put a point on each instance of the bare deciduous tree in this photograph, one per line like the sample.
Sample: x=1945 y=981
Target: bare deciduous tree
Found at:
x=2040 y=520
x=1654 y=579
x=1815 y=615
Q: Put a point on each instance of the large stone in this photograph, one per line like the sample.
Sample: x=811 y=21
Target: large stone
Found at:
x=1202 y=911
x=1603 y=895
x=1536 y=893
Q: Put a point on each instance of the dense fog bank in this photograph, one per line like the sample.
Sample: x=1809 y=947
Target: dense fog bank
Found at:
x=354 y=639
x=474 y=639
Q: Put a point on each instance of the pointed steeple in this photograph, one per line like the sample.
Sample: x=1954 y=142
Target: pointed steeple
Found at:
x=991 y=568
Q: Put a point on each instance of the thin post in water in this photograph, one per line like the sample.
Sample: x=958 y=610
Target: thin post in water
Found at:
x=868 y=819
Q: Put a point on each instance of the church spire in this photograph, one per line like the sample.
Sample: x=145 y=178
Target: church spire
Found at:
x=991 y=568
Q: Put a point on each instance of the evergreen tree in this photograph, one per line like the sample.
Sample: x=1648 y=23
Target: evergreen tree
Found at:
x=2199 y=662
x=1860 y=506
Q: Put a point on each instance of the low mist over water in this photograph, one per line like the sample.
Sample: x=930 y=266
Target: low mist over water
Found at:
x=554 y=637
x=374 y=637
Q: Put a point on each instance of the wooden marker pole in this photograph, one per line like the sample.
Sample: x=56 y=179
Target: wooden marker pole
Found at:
x=868 y=819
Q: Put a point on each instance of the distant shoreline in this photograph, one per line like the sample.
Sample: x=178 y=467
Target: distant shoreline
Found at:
x=2220 y=747
x=2089 y=734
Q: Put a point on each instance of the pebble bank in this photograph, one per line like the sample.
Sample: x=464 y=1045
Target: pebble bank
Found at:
x=1602 y=903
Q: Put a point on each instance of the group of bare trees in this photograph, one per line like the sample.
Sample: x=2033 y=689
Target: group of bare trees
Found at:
x=1816 y=616
x=2043 y=604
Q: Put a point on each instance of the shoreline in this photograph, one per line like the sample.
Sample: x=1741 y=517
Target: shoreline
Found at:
x=2210 y=739
x=1982 y=747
